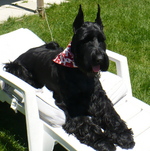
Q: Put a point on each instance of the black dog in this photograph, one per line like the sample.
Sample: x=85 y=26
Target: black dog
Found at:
x=73 y=76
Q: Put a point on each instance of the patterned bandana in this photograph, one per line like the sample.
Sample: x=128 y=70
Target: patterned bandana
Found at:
x=66 y=58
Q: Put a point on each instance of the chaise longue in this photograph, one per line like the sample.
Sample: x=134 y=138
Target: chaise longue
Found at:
x=44 y=118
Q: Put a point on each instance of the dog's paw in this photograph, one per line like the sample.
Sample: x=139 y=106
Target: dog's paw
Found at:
x=125 y=140
x=104 y=146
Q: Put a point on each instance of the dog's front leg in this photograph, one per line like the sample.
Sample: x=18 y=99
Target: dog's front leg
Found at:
x=88 y=133
x=105 y=115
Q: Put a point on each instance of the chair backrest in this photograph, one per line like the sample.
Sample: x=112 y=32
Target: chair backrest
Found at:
x=22 y=43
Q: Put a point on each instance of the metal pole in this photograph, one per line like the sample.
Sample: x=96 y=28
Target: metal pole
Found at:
x=40 y=8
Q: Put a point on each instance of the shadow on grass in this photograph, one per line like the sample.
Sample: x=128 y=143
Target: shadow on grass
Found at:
x=13 y=130
x=12 y=126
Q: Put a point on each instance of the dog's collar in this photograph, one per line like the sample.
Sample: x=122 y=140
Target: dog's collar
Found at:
x=66 y=58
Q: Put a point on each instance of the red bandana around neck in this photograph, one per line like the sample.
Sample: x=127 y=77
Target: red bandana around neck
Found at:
x=66 y=58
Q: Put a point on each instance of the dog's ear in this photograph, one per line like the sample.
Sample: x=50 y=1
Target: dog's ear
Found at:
x=98 y=18
x=79 y=20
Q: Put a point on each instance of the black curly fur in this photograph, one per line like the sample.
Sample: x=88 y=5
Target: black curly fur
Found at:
x=90 y=115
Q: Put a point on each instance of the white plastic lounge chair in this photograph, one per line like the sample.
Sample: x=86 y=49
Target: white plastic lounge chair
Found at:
x=43 y=117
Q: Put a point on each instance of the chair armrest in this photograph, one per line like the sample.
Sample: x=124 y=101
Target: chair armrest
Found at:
x=34 y=126
x=122 y=68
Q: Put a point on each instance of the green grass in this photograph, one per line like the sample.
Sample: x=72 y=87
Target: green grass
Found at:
x=12 y=130
x=8 y=142
x=127 y=30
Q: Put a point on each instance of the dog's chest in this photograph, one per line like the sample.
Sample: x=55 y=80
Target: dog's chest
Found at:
x=74 y=83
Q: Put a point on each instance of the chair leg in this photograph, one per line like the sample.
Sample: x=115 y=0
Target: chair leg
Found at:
x=48 y=142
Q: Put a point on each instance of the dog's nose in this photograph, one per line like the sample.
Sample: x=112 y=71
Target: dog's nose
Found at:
x=98 y=59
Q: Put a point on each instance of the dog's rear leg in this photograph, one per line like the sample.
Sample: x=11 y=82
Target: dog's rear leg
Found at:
x=88 y=133
x=17 y=69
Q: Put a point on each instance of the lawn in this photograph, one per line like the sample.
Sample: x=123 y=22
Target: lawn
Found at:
x=126 y=28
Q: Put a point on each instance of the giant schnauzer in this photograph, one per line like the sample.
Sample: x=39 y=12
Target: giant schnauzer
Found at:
x=73 y=76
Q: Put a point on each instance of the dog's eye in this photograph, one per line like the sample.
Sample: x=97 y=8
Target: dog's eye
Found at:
x=87 y=39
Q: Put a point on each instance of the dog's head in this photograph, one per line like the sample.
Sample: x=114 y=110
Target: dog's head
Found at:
x=88 y=44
